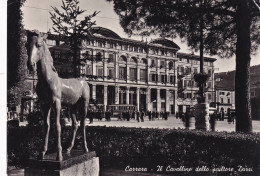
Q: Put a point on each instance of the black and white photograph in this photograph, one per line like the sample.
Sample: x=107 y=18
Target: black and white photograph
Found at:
x=131 y=87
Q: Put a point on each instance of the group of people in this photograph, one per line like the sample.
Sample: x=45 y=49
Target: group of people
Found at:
x=125 y=115
x=99 y=114
x=139 y=116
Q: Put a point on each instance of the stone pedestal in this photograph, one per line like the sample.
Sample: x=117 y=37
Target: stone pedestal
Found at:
x=77 y=163
x=202 y=116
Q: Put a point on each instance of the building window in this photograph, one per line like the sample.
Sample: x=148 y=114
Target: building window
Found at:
x=143 y=61
x=122 y=72
x=124 y=47
x=188 y=95
x=172 y=79
x=162 y=64
x=98 y=57
x=182 y=70
x=209 y=73
x=110 y=58
x=162 y=52
x=228 y=100
x=188 y=70
x=82 y=70
x=130 y=48
x=112 y=45
x=132 y=59
x=154 y=77
x=209 y=85
x=135 y=49
x=99 y=71
x=143 y=74
x=122 y=59
x=171 y=65
x=110 y=73
x=221 y=100
x=153 y=63
x=89 y=70
x=163 y=78
x=209 y=96
x=99 y=43
x=133 y=74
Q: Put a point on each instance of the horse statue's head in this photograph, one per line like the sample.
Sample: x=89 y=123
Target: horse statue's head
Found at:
x=35 y=42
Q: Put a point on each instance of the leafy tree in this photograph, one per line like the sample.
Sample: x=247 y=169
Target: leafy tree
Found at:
x=67 y=23
x=16 y=52
x=228 y=28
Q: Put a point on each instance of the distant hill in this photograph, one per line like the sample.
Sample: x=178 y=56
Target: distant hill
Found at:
x=227 y=79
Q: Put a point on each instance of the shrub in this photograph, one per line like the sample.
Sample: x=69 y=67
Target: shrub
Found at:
x=120 y=147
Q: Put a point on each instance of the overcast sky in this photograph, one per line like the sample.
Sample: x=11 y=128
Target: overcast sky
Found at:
x=36 y=16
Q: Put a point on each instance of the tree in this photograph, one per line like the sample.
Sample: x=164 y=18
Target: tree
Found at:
x=67 y=23
x=228 y=27
x=16 y=52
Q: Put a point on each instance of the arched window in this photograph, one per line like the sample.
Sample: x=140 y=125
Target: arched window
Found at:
x=122 y=59
x=133 y=59
x=98 y=57
x=143 y=61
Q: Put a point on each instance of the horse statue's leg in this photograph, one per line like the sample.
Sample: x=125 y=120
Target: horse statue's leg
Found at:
x=57 y=106
x=46 y=109
x=83 y=125
x=75 y=127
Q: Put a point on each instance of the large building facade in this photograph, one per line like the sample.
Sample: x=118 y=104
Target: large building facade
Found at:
x=150 y=75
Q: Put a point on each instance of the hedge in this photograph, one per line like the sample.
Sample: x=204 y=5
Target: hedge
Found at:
x=148 y=148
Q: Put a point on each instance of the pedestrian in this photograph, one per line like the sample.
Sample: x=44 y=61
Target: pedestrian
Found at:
x=142 y=116
x=187 y=120
x=149 y=115
x=90 y=116
x=229 y=116
x=222 y=114
x=133 y=115
x=177 y=115
x=212 y=121
x=107 y=115
x=137 y=116
x=157 y=115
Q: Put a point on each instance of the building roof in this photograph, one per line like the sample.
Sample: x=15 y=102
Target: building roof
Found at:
x=192 y=56
x=105 y=32
x=165 y=42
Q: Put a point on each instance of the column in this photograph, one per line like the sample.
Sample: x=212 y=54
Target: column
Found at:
x=127 y=95
x=116 y=67
x=94 y=72
x=167 y=77
x=94 y=91
x=137 y=71
x=116 y=95
x=105 y=66
x=148 y=70
x=158 y=100
x=127 y=69
x=175 y=101
x=167 y=101
x=138 y=98
x=105 y=97
x=148 y=98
